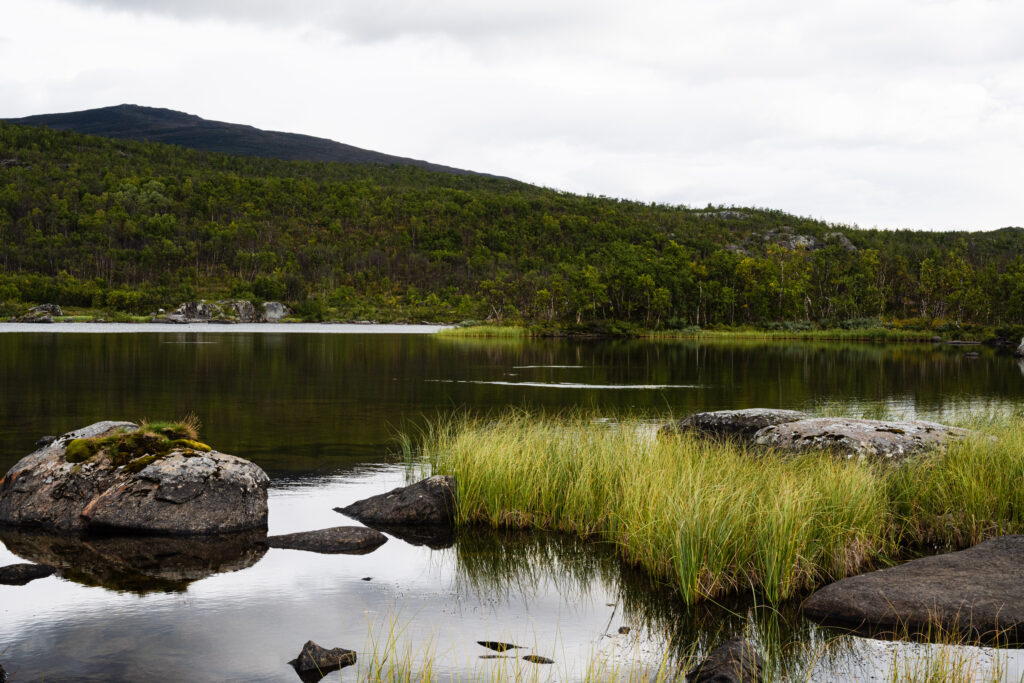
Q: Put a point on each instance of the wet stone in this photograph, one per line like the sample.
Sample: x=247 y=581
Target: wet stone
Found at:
x=498 y=646
x=537 y=659
x=351 y=540
x=315 y=662
x=20 y=574
x=736 y=661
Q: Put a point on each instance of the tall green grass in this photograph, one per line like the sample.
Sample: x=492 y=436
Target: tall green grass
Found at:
x=712 y=517
x=499 y=331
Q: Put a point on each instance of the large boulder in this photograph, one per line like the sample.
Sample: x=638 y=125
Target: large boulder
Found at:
x=242 y=311
x=735 y=661
x=183 y=488
x=1019 y=353
x=430 y=502
x=274 y=311
x=138 y=564
x=976 y=593
x=349 y=540
x=884 y=440
x=736 y=423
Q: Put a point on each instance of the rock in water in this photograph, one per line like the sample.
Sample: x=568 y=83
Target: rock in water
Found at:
x=3 y=675
x=976 y=593
x=20 y=574
x=498 y=646
x=737 y=423
x=183 y=491
x=861 y=439
x=736 y=661
x=1019 y=353
x=315 y=662
x=428 y=502
x=350 y=540
x=537 y=659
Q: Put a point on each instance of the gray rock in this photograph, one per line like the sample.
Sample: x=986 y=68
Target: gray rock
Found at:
x=862 y=439
x=196 y=311
x=20 y=574
x=45 y=440
x=842 y=240
x=274 y=311
x=184 y=493
x=243 y=311
x=350 y=540
x=47 y=309
x=428 y=502
x=33 y=317
x=738 y=423
x=976 y=593
x=315 y=662
x=736 y=661
x=138 y=564
x=1019 y=353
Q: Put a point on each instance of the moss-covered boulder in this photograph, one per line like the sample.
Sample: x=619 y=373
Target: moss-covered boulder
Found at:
x=115 y=476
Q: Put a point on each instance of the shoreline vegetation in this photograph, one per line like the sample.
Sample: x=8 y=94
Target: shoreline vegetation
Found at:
x=712 y=517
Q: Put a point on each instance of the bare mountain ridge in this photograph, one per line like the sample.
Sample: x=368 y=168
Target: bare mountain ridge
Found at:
x=151 y=124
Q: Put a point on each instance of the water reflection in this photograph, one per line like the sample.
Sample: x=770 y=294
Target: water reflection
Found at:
x=138 y=564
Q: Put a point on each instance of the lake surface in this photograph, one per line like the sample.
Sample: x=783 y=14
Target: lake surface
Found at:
x=318 y=407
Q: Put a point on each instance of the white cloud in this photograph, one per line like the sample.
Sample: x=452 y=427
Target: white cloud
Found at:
x=905 y=113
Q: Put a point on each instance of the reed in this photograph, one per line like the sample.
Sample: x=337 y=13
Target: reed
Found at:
x=712 y=517
x=498 y=331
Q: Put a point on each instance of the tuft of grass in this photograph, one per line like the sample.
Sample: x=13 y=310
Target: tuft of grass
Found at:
x=135 y=450
x=713 y=517
x=878 y=335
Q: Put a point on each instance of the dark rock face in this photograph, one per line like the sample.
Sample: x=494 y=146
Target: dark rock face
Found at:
x=1019 y=353
x=537 y=659
x=350 y=540
x=737 y=423
x=46 y=309
x=428 y=502
x=243 y=311
x=315 y=662
x=195 y=311
x=20 y=574
x=184 y=493
x=138 y=564
x=977 y=594
x=736 y=661
x=862 y=439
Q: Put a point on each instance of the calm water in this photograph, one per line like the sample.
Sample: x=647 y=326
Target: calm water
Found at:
x=318 y=406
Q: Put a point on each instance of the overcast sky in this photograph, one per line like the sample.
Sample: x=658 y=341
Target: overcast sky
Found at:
x=887 y=113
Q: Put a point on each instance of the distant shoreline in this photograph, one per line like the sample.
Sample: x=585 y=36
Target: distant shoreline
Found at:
x=207 y=328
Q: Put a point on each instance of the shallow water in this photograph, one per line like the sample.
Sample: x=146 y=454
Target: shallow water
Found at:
x=319 y=412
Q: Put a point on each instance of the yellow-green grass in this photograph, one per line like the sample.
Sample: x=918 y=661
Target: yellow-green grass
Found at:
x=500 y=331
x=713 y=517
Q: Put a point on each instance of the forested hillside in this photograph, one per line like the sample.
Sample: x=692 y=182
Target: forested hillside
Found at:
x=92 y=222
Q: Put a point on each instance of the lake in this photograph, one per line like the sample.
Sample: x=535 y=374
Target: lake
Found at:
x=318 y=407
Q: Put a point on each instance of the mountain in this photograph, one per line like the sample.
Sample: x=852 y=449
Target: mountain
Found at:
x=150 y=124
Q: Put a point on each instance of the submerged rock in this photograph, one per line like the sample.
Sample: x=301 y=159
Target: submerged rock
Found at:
x=138 y=564
x=351 y=540
x=20 y=574
x=428 y=502
x=315 y=662
x=736 y=661
x=498 y=646
x=738 y=423
x=977 y=594
x=184 y=491
x=861 y=439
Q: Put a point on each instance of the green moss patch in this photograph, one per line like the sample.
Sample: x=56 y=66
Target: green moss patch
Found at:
x=135 y=450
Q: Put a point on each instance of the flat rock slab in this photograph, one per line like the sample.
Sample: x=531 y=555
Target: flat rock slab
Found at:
x=351 y=540
x=315 y=662
x=736 y=423
x=976 y=594
x=20 y=574
x=861 y=439
x=427 y=502
x=735 y=661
